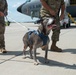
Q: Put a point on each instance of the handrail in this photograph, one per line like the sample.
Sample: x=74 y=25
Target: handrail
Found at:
x=71 y=18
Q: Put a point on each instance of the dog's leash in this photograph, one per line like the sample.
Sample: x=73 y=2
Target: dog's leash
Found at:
x=18 y=23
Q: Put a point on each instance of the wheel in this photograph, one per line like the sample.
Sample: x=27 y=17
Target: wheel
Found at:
x=69 y=23
x=64 y=26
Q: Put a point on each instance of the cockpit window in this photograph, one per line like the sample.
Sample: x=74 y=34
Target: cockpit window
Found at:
x=28 y=0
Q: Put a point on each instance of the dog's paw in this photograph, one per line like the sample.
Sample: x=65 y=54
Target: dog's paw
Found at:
x=36 y=63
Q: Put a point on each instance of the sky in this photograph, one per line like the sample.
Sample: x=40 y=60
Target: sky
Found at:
x=14 y=15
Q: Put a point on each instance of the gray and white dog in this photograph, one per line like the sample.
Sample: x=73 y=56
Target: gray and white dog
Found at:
x=35 y=39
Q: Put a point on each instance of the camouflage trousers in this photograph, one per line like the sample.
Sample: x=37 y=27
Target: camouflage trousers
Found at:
x=56 y=31
x=2 y=31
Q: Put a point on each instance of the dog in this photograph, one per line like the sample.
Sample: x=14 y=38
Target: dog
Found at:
x=35 y=39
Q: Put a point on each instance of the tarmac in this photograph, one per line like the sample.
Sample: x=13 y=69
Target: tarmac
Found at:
x=60 y=63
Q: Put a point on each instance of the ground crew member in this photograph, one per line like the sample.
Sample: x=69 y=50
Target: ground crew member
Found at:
x=3 y=12
x=50 y=8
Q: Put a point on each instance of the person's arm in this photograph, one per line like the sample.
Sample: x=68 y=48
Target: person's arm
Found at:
x=52 y=12
x=62 y=11
x=6 y=8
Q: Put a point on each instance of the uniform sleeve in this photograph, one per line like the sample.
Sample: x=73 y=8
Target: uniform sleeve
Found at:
x=62 y=2
x=6 y=8
x=6 y=5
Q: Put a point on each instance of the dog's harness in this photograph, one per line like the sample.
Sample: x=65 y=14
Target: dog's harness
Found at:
x=30 y=32
x=43 y=37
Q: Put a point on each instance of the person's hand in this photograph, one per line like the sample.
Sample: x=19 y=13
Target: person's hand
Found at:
x=1 y=14
x=61 y=17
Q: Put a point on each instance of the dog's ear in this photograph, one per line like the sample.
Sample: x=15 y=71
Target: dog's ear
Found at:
x=48 y=21
x=43 y=24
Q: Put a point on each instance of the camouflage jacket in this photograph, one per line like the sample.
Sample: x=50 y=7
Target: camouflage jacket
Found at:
x=53 y=4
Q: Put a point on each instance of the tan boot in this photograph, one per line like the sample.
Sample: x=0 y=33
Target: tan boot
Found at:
x=55 y=48
x=3 y=50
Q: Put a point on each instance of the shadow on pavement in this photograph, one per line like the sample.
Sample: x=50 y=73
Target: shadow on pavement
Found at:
x=16 y=53
x=73 y=51
x=53 y=63
x=12 y=53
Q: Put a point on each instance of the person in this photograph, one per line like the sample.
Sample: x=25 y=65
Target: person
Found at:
x=51 y=8
x=3 y=12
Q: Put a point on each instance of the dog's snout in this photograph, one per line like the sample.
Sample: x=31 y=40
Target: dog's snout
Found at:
x=50 y=25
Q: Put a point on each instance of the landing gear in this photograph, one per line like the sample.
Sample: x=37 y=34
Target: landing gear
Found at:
x=66 y=25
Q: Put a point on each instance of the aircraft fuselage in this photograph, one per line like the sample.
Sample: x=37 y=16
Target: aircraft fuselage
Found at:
x=32 y=8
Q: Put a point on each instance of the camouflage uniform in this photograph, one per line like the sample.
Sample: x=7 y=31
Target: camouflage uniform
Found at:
x=3 y=7
x=55 y=5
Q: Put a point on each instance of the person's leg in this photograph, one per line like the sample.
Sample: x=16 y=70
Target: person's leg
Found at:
x=2 y=39
x=55 y=38
x=54 y=47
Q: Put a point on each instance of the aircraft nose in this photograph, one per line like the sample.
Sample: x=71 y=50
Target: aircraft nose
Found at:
x=19 y=8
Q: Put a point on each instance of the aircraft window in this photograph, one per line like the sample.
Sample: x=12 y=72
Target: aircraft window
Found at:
x=72 y=2
x=30 y=7
x=28 y=0
x=38 y=6
x=33 y=6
